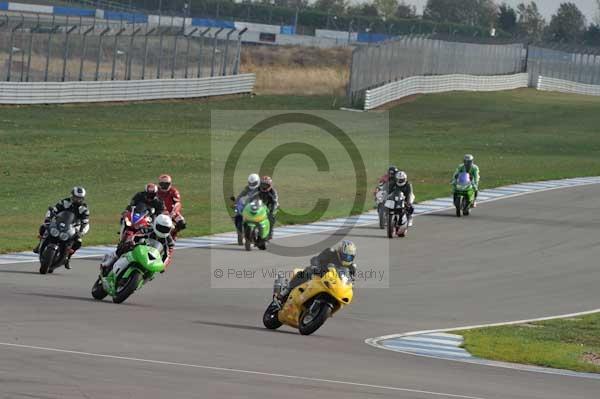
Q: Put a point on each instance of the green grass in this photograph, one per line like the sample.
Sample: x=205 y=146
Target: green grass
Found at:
x=114 y=149
x=560 y=343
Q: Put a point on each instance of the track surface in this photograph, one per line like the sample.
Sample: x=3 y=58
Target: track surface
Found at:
x=523 y=257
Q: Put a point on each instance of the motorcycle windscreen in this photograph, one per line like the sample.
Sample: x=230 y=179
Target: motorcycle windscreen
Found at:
x=463 y=181
x=139 y=212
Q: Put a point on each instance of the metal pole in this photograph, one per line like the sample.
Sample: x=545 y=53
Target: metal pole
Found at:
x=11 y=48
x=174 y=61
x=84 y=51
x=114 y=60
x=129 y=56
x=236 y=67
x=99 y=55
x=30 y=48
x=66 y=51
x=199 y=74
x=148 y=33
x=214 y=52
x=160 y=48
x=224 y=72
x=48 y=53
x=187 y=50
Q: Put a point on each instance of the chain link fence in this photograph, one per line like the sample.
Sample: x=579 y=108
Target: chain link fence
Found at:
x=575 y=65
x=67 y=52
x=406 y=56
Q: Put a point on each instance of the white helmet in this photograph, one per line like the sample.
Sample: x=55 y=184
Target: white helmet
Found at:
x=401 y=178
x=253 y=181
x=163 y=225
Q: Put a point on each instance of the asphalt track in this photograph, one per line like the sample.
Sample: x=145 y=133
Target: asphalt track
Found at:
x=518 y=258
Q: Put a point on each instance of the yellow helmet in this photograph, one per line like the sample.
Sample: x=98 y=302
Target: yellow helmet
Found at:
x=347 y=252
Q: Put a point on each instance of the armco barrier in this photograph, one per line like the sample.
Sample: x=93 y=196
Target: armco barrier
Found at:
x=437 y=84
x=122 y=90
x=566 y=86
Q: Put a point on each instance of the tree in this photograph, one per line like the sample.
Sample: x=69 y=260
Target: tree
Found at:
x=597 y=16
x=507 y=18
x=469 y=12
x=386 y=8
x=592 y=35
x=531 y=23
x=363 y=10
x=407 y=11
x=567 y=25
x=336 y=7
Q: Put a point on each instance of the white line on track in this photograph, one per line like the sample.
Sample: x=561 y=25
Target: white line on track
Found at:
x=239 y=371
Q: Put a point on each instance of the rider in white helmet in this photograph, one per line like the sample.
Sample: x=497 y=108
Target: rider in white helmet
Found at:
x=161 y=233
x=402 y=185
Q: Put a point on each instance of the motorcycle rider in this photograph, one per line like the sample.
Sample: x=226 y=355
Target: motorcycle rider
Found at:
x=75 y=204
x=268 y=195
x=248 y=192
x=403 y=186
x=382 y=183
x=172 y=200
x=150 y=197
x=473 y=170
x=341 y=257
x=161 y=232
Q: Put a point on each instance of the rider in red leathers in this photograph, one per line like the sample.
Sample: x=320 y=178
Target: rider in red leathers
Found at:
x=172 y=199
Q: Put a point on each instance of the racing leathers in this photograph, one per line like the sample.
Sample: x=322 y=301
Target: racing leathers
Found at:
x=82 y=220
x=167 y=243
x=172 y=202
x=473 y=172
x=155 y=203
x=409 y=197
x=319 y=266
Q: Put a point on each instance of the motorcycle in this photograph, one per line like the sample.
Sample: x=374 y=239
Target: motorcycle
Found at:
x=57 y=242
x=397 y=219
x=380 y=196
x=130 y=272
x=464 y=194
x=310 y=304
x=135 y=222
x=255 y=225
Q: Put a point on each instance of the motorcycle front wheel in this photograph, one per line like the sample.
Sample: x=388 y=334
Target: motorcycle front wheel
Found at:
x=127 y=287
x=309 y=323
x=390 y=224
x=98 y=291
x=270 y=319
x=46 y=260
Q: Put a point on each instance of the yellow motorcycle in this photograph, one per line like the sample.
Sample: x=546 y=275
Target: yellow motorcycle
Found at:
x=310 y=304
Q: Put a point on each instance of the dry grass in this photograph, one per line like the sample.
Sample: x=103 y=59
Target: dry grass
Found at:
x=298 y=70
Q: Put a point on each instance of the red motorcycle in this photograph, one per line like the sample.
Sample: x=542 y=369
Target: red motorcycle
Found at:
x=135 y=223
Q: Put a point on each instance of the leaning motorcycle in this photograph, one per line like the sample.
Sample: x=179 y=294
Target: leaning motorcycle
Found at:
x=57 y=242
x=464 y=194
x=310 y=304
x=256 y=226
x=380 y=196
x=130 y=272
x=397 y=220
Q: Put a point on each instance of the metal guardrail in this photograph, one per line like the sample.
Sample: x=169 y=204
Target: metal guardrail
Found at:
x=123 y=90
x=565 y=86
x=443 y=83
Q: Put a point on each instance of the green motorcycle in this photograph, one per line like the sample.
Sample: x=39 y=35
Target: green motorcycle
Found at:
x=256 y=226
x=464 y=194
x=130 y=272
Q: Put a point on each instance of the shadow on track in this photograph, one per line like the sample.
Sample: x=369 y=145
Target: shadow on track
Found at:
x=20 y=271
x=79 y=298
x=242 y=327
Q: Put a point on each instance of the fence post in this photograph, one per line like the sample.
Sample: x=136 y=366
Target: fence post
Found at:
x=48 y=53
x=214 y=52
x=199 y=74
x=236 y=67
x=160 y=48
x=11 y=49
x=148 y=33
x=30 y=48
x=226 y=51
x=99 y=55
x=174 y=61
x=187 y=50
x=114 y=60
x=66 y=50
x=84 y=51
x=129 y=56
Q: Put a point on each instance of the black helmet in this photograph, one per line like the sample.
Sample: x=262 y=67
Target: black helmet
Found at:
x=392 y=170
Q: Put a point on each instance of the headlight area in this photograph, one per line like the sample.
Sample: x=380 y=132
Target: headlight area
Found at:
x=63 y=236
x=54 y=232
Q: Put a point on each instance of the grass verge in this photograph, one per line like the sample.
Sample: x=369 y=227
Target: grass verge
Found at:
x=571 y=343
x=114 y=149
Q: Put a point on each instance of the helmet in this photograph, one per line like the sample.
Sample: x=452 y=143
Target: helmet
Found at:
x=401 y=178
x=78 y=195
x=164 y=182
x=468 y=161
x=392 y=170
x=162 y=226
x=253 y=181
x=347 y=252
x=266 y=184
x=151 y=191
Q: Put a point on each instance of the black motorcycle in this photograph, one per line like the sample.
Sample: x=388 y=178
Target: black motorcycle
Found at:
x=397 y=219
x=57 y=242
